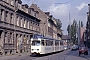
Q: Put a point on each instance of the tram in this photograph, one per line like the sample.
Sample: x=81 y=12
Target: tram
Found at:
x=44 y=45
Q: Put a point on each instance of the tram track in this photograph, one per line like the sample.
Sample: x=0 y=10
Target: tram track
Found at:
x=65 y=57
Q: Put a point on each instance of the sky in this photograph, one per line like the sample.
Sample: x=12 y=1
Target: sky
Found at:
x=77 y=8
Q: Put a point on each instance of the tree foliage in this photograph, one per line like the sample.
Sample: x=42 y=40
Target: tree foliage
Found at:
x=81 y=24
x=59 y=25
x=72 y=30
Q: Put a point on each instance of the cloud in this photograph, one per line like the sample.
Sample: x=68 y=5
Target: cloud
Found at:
x=43 y=4
x=81 y=6
x=62 y=9
x=61 y=12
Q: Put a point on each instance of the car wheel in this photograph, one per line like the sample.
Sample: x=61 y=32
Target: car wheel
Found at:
x=86 y=53
x=79 y=54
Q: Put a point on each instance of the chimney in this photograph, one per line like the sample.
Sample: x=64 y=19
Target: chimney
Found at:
x=47 y=13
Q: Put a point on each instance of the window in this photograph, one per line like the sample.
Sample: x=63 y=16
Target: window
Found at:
x=42 y=43
x=6 y=39
x=24 y=24
x=6 y=15
x=11 y=38
x=20 y=6
x=31 y=27
x=49 y=43
x=35 y=14
x=2 y=13
x=28 y=24
x=7 y=1
x=21 y=22
x=12 y=18
x=61 y=42
x=56 y=43
x=27 y=41
x=0 y=33
x=48 y=24
x=17 y=21
x=12 y=2
x=29 y=11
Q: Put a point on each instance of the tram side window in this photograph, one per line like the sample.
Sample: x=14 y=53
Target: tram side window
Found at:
x=49 y=43
x=61 y=42
x=42 y=43
x=56 y=43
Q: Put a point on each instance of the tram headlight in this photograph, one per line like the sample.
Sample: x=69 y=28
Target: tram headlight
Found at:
x=37 y=49
x=32 y=49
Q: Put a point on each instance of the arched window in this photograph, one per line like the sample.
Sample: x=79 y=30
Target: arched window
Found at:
x=12 y=2
x=17 y=21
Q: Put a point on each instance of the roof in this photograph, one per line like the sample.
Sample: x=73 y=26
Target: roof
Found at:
x=65 y=37
x=26 y=14
x=36 y=36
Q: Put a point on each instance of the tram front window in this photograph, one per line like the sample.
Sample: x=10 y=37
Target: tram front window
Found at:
x=35 y=43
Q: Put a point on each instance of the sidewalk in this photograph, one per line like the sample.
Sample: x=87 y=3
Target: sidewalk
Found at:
x=89 y=53
x=10 y=57
x=88 y=56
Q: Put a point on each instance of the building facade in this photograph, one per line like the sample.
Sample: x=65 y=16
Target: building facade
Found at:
x=19 y=22
x=66 y=40
x=48 y=24
x=82 y=35
x=44 y=19
x=88 y=27
x=17 y=26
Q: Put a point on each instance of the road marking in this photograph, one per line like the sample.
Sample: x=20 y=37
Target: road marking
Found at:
x=87 y=58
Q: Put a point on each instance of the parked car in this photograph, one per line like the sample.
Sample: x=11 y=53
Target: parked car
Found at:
x=74 y=47
x=83 y=50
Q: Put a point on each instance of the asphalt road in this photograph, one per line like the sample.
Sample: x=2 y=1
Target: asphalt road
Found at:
x=65 y=55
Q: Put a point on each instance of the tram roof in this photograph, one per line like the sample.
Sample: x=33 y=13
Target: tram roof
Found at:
x=46 y=38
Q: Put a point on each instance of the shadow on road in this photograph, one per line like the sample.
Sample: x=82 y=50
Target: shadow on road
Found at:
x=75 y=53
x=42 y=55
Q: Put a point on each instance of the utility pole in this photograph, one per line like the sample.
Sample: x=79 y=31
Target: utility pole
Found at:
x=79 y=34
x=70 y=26
x=69 y=29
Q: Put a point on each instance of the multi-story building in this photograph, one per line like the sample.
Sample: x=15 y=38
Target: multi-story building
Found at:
x=82 y=35
x=18 y=23
x=66 y=40
x=48 y=25
x=17 y=26
x=88 y=27
x=43 y=17
x=53 y=29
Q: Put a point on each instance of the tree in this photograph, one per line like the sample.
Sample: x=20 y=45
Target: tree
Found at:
x=72 y=30
x=59 y=25
x=81 y=24
x=68 y=29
